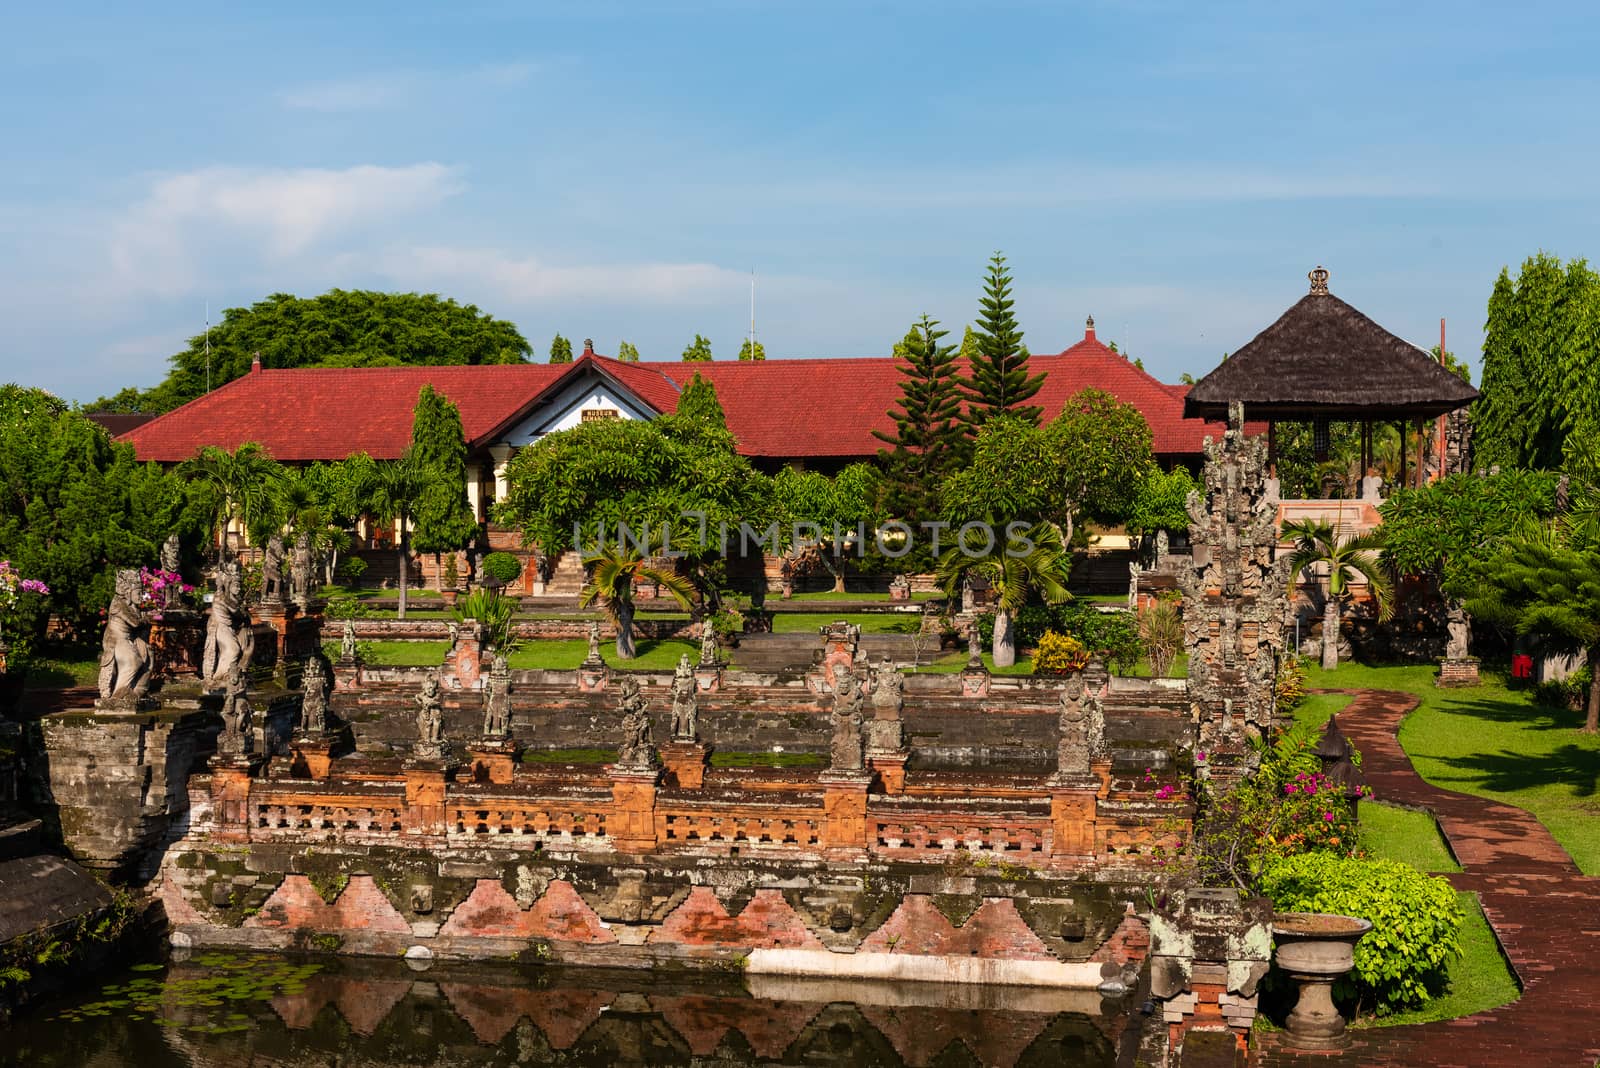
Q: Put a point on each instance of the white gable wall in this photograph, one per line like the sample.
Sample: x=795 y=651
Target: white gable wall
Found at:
x=565 y=411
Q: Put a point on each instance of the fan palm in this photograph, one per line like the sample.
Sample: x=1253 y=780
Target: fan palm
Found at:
x=245 y=485
x=1035 y=562
x=1317 y=543
x=390 y=494
x=612 y=574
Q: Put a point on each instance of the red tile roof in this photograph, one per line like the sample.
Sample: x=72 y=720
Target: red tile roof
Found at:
x=776 y=408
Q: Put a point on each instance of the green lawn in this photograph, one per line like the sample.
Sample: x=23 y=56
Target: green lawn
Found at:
x=774 y=601
x=952 y=663
x=1316 y=708
x=1178 y=670
x=567 y=654
x=1406 y=835
x=1494 y=742
x=869 y=622
x=396 y=654
x=52 y=673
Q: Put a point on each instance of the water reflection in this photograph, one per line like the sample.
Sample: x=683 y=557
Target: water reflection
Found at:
x=380 y=1013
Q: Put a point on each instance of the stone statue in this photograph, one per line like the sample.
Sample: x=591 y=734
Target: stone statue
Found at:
x=237 y=737
x=347 y=642
x=685 y=703
x=1457 y=624
x=229 y=639
x=1072 y=746
x=637 y=752
x=593 y=656
x=708 y=645
x=272 y=571
x=1135 y=569
x=846 y=749
x=497 y=698
x=314 y=697
x=170 y=556
x=974 y=654
x=125 y=659
x=887 y=729
x=430 y=712
x=302 y=570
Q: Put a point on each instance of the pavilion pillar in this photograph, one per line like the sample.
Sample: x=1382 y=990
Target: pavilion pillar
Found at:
x=475 y=489
x=502 y=457
x=1403 y=450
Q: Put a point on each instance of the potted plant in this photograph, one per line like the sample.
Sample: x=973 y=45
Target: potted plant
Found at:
x=450 y=585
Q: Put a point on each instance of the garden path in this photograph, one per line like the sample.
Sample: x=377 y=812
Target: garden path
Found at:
x=1544 y=912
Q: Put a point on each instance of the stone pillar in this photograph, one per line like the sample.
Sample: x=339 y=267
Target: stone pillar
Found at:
x=347 y=675
x=177 y=642
x=1208 y=955
x=230 y=797
x=1072 y=821
x=708 y=678
x=279 y=616
x=310 y=756
x=632 y=824
x=1458 y=671
x=502 y=456
x=890 y=768
x=425 y=786
x=465 y=659
x=844 y=803
x=975 y=681
x=592 y=677
x=475 y=489
x=685 y=763
x=494 y=760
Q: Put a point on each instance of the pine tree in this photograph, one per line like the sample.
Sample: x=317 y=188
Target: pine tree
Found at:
x=745 y=352
x=443 y=516
x=698 y=406
x=928 y=436
x=969 y=345
x=699 y=350
x=627 y=353
x=998 y=380
x=560 y=350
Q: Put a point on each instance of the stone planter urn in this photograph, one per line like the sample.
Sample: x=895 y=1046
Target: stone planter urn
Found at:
x=1315 y=949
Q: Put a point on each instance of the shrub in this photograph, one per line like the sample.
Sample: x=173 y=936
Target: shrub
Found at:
x=1416 y=921
x=351 y=568
x=1059 y=654
x=346 y=606
x=1114 y=635
x=1290 y=687
x=1569 y=693
x=502 y=566
x=494 y=611
x=452 y=573
x=1161 y=630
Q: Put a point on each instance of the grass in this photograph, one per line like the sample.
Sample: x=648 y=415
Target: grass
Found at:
x=1494 y=742
x=1406 y=835
x=568 y=756
x=567 y=654
x=50 y=673
x=952 y=663
x=767 y=760
x=1316 y=709
x=1178 y=670
x=869 y=622
x=774 y=600
x=396 y=654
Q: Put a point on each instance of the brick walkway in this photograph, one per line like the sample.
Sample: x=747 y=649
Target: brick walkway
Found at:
x=1546 y=915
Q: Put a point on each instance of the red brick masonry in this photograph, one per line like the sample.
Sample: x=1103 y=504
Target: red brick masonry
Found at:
x=1545 y=914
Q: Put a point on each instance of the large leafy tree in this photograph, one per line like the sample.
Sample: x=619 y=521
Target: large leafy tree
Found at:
x=1161 y=501
x=1102 y=451
x=700 y=410
x=928 y=435
x=747 y=351
x=1449 y=528
x=823 y=519
x=244 y=485
x=613 y=574
x=444 y=521
x=74 y=507
x=560 y=350
x=698 y=350
x=1318 y=546
x=627 y=353
x=998 y=380
x=340 y=328
x=1017 y=564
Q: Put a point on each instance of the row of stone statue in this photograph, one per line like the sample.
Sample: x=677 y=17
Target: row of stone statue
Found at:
x=302 y=572
x=496 y=708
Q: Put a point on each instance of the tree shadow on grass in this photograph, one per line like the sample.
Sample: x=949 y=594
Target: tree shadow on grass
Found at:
x=1517 y=710
x=1506 y=772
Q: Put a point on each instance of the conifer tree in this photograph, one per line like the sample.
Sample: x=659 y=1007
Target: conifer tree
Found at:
x=747 y=353
x=998 y=381
x=627 y=353
x=698 y=351
x=560 y=350
x=928 y=436
x=699 y=407
x=443 y=516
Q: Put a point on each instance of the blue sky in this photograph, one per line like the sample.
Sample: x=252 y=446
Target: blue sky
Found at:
x=616 y=170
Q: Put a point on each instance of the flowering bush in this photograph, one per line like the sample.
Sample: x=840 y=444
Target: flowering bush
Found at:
x=12 y=588
x=160 y=588
x=1059 y=654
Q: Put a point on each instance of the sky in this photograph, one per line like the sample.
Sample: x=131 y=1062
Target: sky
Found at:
x=620 y=171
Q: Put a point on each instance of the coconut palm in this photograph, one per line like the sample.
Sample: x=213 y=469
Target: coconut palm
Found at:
x=390 y=495
x=245 y=486
x=1317 y=544
x=1035 y=562
x=612 y=574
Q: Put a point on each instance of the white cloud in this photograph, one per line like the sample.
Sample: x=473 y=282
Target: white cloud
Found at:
x=274 y=214
x=529 y=279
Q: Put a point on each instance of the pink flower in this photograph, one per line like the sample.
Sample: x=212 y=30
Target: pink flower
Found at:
x=1291 y=788
x=1201 y=755
x=1327 y=817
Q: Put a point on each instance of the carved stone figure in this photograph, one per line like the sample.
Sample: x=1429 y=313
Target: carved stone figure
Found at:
x=125 y=659
x=708 y=645
x=314 y=697
x=846 y=750
x=272 y=571
x=593 y=656
x=886 y=731
x=1458 y=626
x=229 y=639
x=497 y=698
x=430 y=711
x=302 y=570
x=685 y=703
x=170 y=556
x=1081 y=723
x=347 y=641
x=238 y=734
x=637 y=751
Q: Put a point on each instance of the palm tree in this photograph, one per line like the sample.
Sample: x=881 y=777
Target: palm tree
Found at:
x=612 y=573
x=390 y=495
x=245 y=482
x=1036 y=562
x=1317 y=543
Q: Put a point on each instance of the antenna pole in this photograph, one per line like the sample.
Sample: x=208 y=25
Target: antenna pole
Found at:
x=752 y=316
x=208 y=346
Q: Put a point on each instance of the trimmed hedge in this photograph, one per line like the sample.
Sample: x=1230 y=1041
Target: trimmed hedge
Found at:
x=503 y=566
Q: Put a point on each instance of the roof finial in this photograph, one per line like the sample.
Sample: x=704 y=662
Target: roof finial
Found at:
x=255 y=362
x=588 y=346
x=1088 y=329
x=1319 y=280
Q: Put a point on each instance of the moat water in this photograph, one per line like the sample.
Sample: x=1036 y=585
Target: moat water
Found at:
x=237 y=1010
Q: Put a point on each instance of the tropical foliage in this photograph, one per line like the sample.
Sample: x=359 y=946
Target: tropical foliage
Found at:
x=1029 y=562
x=1319 y=547
x=614 y=573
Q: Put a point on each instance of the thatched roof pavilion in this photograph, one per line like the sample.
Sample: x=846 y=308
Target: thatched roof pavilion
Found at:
x=1325 y=361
